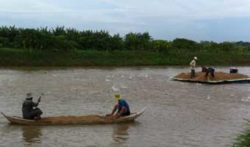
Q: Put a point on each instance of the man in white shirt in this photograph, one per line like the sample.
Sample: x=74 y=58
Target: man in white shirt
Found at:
x=193 y=64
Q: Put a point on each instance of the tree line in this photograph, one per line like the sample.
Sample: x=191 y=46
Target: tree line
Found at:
x=66 y=39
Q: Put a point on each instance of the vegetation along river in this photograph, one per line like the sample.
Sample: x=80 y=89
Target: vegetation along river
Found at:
x=177 y=114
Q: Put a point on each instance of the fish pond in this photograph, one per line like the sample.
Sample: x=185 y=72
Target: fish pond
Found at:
x=177 y=114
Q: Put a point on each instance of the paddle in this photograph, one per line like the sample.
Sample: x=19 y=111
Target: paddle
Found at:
x=39 y=99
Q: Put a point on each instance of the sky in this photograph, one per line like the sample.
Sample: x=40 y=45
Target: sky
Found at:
x=199 y=20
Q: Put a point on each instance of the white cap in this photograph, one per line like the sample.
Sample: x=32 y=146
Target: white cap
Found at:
x=195 y=58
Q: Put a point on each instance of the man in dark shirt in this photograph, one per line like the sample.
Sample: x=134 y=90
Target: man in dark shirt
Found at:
x=211 y=71
x=28 y=111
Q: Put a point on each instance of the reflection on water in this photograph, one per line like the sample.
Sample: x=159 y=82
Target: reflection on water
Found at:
x=31 y=134
x=20 y=136
x=120 y=133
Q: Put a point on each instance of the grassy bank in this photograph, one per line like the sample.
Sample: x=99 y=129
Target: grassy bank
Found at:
x=243 y=140
x=20 y=57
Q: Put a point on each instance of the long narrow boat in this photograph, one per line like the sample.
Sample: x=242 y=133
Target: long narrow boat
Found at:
x=73 y=120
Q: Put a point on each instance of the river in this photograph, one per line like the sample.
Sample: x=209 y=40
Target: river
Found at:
x=177 y=114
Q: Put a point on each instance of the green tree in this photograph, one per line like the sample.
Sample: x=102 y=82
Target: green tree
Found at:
x=182 y=43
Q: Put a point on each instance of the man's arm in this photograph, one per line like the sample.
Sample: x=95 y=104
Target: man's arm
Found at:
x=37 y=103
x=191 y=63
x=113 y=110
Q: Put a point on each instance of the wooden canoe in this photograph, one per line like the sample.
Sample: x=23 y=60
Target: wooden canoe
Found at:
x=73 y=120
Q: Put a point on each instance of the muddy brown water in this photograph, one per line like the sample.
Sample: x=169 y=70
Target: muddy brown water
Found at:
x=177 y=115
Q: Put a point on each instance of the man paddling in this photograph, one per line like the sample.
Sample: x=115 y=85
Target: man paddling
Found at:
x=121 y=108
x=29 y=112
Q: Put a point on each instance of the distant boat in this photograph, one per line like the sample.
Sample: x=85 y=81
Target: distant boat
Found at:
x=219 y=78
x=73 y=120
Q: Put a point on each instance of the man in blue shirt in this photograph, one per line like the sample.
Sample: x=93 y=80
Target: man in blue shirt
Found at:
x=121 y=107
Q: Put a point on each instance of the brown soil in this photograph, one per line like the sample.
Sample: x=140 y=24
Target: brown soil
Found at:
x=88 y=119
x=200 y=76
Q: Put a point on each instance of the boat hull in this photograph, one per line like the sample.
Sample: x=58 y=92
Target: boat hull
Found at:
x=73 y=120
x=219 y=78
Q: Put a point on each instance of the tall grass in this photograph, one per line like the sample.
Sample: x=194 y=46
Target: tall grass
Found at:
x=19 y=57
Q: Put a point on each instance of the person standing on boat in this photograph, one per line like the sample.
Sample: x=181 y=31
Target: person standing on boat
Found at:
x=121 y=108
x=29 y=112
x=193 y=65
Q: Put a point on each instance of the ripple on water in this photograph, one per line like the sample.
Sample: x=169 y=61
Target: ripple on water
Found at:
x=177 y=115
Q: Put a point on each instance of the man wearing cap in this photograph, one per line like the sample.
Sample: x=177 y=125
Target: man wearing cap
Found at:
x=193 y=64
x=121 y=107
x=28 y=111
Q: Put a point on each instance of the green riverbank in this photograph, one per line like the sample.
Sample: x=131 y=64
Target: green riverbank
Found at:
x=243 y=139
x=20 y=57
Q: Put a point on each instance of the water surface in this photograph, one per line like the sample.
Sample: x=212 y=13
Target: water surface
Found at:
x=177 y=115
